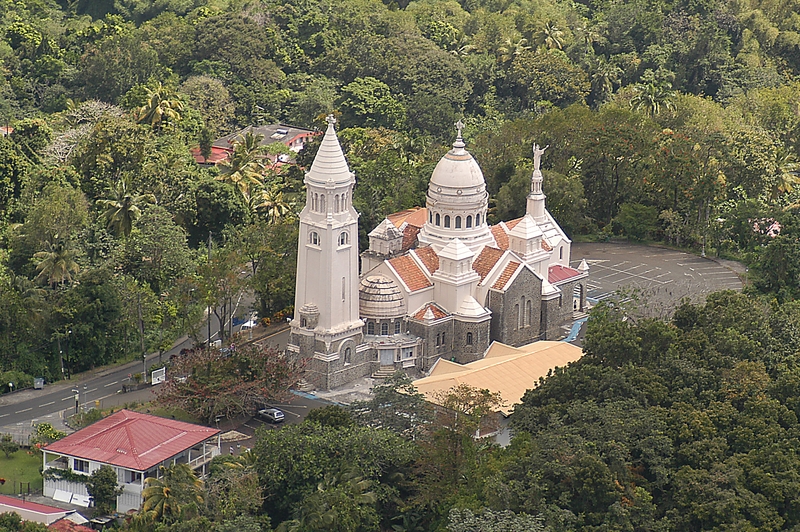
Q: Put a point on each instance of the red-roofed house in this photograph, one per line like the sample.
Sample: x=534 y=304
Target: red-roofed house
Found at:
x=135 y=445
x=31 y=511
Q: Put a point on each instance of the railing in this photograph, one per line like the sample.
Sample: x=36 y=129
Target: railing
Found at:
x=55 y=464
x=210 y=453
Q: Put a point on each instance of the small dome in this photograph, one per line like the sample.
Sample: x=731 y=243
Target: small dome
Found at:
x=380 y=297
x=458 y=170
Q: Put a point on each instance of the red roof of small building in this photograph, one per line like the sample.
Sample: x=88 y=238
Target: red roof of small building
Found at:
x=557 y=273
x=410 y=236
x=509 y=270
x=511 y=224
x=428 y=257
x=410 y=273
x=65 y=525
x=132 y=440
x=217 y=154
x=30 y=506
x=486 y=260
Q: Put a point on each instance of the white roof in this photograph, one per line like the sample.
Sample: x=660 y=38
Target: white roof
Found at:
x=329 y=164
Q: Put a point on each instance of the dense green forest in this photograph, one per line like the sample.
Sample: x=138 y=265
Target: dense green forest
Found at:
x=674 y=121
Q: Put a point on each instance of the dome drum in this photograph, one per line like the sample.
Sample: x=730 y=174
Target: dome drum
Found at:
x=379 y=297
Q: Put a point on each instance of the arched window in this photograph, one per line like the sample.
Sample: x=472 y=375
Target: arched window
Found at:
x=384 y=329
x=314 y=202
x=302 y=322
x=560 y=252
x=313 y=238
x=469 y=338
x=430 y=217
x=438 y=219
x=336 y=203
x=370 y=327
x=458 y=222
x=444 y=336
x=469 y=222
x=348 y=353
x=322 y=203
x=477 y=220
x=397 y=327
x=516 y=313
x=438 y=339
x=529 y=312
x=447 y=220
x=344 y=238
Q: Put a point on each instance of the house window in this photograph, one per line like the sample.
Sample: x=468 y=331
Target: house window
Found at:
x=447 y=220
x=344 y=238
x=313 y=238
x=348 y=353
x=438 y=219
x=469 y=221
x=370 y=327
x=458 y=222
x=560 y=253
x=384 y=329
x=397 y=327
x=81 y=466
x=469 y=338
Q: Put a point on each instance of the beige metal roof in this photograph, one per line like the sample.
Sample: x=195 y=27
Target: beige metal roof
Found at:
x=507 y=370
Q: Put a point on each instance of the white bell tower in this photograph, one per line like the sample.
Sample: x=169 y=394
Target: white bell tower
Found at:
x=326 y=327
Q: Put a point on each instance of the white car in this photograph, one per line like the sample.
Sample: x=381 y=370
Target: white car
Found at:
x=273 y=415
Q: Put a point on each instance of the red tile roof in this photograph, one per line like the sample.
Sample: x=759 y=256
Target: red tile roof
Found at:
x=500 y=236
x=217 y=154
x=30 y=506
x=437 y=311
x=132 y=440
x=410 y=273
x=486 y=260
x=416 y=217
x=557 y=273
x=65 y=525
x=509 y=270
x=511 y=224
x=428 y=257
x=410 y=236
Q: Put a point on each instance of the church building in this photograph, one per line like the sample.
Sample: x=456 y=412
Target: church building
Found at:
x=436 y=282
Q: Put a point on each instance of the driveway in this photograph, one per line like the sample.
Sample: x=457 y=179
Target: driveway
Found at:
x=658 y=277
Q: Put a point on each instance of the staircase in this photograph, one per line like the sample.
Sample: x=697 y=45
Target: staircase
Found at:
x=304 y=386
x=383 y=373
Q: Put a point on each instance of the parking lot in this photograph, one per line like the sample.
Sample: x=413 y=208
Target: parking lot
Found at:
x=658 y=277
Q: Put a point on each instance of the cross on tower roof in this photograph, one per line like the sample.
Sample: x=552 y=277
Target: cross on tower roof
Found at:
x=459 y=126
x=459 y=143
x=330 y=119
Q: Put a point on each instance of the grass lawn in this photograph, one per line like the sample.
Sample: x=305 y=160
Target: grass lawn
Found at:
x=21 y=467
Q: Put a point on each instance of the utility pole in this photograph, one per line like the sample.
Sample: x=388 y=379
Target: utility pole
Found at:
x=141 y=337
x=69 y=342
x=208 y=307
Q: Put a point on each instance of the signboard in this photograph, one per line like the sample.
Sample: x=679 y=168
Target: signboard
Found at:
x=158 y=376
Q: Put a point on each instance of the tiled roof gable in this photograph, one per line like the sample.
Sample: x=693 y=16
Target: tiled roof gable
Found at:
x=509 y=270
x=486 y=260
x=410 y=273
x=428 y=257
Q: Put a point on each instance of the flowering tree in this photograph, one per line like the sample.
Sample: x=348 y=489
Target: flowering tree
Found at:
x=208 y=383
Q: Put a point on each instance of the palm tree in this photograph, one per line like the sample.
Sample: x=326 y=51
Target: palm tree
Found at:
x=274 y=204
x=604 y=79
x=244 y=168
x=121 y=209
x=509 y=50
x=159 y=109
x=652 y=97
x=167 y=498
x=788 y=175
x=552 y=37
x=56 y=265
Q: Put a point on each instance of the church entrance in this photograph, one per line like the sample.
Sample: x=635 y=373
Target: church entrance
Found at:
x=387 y=357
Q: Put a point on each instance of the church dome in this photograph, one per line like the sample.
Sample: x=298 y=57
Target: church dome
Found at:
x=380 y=297
x=458 y=170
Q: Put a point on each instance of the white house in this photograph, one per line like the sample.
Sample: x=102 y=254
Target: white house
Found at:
x=135 y=445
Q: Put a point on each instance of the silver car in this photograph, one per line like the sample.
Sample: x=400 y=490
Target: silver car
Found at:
x=273 y=415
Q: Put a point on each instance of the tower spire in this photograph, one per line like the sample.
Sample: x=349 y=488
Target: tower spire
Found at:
x=536 y=198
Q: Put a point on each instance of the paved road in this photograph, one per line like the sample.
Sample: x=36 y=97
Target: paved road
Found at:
x=660 y=277
x=104 y=386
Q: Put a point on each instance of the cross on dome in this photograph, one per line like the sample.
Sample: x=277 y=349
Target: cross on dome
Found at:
x=330 y=119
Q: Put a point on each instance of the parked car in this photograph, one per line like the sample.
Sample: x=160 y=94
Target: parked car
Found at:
x=273 y=415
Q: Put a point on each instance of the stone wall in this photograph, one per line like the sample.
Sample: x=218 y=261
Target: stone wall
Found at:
x=431 y=352
x=513 y=322
x=465 y=352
